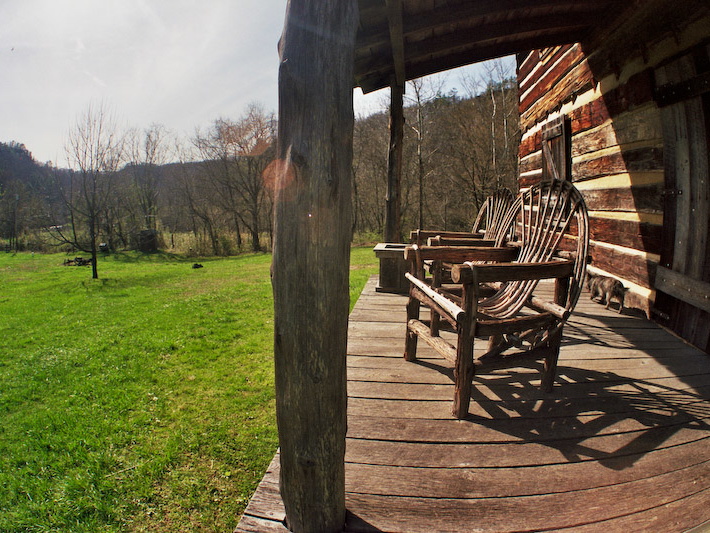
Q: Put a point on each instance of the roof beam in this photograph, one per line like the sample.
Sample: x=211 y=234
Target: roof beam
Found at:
x=377 y=79
x=476 y=36
x=377 y=35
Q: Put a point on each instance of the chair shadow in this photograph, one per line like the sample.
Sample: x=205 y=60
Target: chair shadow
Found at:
x=584 y=404
x=355 y=522
x=604 y=403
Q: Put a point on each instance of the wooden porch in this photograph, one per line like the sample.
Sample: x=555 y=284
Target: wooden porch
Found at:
x=621 y=444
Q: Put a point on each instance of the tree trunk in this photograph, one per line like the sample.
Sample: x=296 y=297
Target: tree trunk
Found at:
x=92 y=244
x=311 y=258
x=237 y=230
x=255 y=242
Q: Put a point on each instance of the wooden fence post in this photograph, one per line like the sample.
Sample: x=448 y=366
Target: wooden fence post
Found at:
x=311 y=178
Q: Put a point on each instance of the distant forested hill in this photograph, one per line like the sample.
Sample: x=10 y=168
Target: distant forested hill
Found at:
x=24 y=189
x=211 y=195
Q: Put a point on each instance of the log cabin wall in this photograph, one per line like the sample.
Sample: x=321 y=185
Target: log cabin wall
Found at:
x=616 y=150
x=605 y=93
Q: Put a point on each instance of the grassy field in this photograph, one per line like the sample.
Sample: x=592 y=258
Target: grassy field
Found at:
x=142 y=401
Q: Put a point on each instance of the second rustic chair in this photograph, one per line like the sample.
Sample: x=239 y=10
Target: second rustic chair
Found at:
x=485 y=227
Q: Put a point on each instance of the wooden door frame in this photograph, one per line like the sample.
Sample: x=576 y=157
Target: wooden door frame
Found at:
x=556 y=148
x=682 y=281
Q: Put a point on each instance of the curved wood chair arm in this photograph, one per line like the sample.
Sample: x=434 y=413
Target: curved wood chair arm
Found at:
x=442 y=240
x=451 y=308
x=420 y=236
x=467 y=272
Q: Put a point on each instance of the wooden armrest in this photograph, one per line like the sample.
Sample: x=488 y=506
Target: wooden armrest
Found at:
x=511 y=271
x=550 y=307
x=442 y=240
x=442 y=301
x=459 y=254
x=418 y=236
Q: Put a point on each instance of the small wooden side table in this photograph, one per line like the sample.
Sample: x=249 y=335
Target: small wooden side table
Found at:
x=392 y=267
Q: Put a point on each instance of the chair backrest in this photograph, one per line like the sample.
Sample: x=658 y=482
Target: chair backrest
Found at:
x=548 y=218
x=492 y=213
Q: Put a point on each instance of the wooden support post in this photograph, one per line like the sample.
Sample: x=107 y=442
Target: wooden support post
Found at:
x=311 y=178
x=393 y=231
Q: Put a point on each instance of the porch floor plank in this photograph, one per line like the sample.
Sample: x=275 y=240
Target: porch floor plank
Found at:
x=622 y=442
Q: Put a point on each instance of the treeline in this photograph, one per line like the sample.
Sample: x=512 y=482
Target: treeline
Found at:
x=457 y=151
x=206 y=195
x=127 y=190
x=25 y=189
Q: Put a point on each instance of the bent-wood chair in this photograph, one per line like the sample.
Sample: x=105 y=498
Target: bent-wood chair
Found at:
x=485 y=228
x=550 y=217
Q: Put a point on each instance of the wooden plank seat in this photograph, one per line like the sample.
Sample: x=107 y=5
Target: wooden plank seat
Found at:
x=548 y=217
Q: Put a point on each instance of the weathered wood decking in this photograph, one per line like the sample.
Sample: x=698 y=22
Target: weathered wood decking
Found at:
x=621 y=444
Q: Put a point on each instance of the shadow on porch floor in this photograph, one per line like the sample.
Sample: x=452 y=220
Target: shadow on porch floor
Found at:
x=621 y=444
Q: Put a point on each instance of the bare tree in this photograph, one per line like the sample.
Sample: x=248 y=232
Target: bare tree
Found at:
x=94 y=152
x=424 y=91
x=235 y=154
x=196 y=200
x=147 y=151
x=497 y=150
x=218 y=154
x=370 y=138
x=253 y=136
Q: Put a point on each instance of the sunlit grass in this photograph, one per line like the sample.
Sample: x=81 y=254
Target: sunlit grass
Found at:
x=142 y=401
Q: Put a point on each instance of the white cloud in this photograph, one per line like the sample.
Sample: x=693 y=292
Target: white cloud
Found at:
x=179 y=62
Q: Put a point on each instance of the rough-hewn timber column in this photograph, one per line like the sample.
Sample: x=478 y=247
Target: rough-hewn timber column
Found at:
x=393 y=231
x=311 y=257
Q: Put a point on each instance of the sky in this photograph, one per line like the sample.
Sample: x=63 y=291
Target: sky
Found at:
x=178 y=63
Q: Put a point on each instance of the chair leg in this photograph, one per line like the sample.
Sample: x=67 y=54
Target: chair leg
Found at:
x=463 y=373
x=550 y=364
x=435 y=324
x=494 y=341
x=410 y=343
x=555 y=340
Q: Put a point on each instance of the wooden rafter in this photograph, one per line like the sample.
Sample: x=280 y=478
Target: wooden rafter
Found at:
x=377 y=79
x=376 y=35
x=394 y=18
x=405 y=39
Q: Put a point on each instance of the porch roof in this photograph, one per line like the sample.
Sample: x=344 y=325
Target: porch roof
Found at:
x=399 y=40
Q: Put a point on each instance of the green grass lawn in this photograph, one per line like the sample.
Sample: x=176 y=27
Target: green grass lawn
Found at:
x=143 y=401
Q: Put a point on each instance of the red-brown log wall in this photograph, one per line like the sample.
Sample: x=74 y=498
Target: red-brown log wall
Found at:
x=617 y=156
